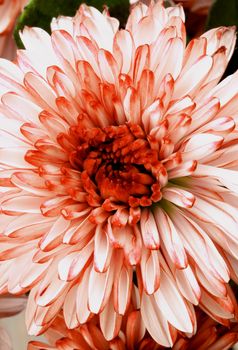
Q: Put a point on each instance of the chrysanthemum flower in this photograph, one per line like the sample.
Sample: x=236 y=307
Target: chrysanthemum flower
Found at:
x=210 y=336
x=119 y=181
x=9 y=10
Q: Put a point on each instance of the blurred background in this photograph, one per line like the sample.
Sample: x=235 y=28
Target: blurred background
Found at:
x=16 y=329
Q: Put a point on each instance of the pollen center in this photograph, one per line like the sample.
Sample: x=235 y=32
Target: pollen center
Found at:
x=118 y=165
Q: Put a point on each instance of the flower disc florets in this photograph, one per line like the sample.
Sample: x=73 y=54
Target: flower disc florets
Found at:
x=118 y=166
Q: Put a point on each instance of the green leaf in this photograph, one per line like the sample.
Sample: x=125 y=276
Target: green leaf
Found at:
x=39 y=13
x=223 y=13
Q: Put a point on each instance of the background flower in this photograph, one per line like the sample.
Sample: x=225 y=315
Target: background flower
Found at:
x=5 y=341
x=119 y=172
x=210 y=336
x=196 y=14
x=9 y=306
x=9 y=10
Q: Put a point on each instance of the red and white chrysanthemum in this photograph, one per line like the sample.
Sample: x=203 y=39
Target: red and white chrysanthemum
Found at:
x=9 y=10
x=210 y=336
x=119 y=172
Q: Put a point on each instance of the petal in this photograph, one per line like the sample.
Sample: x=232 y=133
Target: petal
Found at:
x=150 y=271
x=102 y=250
x=172 y=304
x=99 y=289
x=88 y=52
x=179 y=196
x=200 y=146
x=204 y=113
x=135 y=329
x=69 y=308
x=170 y=238
x=123 y=48
x=83 y=312
x=42 y=91
x=50 y=290
x=51 y=239
x=122 y=288
x=73 y=263
x=141 y=62
x=225 y=90
x=36 y=41
x=149 y=231
x=23 y=204
x=10 y=76
x=108 y=66
x=155 y=322
x=189 y=81
x=221 y=214
x=97 y=25
x=132 y=106
x=170 y=61
x=210 y=261
x=219 y=37
x=188 y=285
x=23 y=107
x=110 y=321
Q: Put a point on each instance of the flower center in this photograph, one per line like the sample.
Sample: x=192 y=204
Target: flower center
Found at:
x=118 y=165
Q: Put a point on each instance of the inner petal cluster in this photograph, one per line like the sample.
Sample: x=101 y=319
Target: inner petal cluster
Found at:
x=118 y=165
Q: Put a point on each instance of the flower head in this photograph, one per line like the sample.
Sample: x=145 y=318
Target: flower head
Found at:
x=119 y=172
